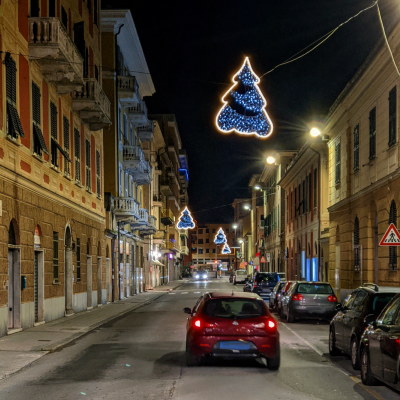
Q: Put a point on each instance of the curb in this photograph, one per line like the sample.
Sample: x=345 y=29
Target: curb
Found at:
x=100 y=324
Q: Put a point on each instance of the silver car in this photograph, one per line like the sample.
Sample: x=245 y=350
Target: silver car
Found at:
x=309 y=300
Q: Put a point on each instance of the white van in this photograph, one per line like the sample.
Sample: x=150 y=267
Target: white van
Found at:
x=240 y=276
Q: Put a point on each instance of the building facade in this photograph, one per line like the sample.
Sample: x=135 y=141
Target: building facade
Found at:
x=52 y=216
x=306 y=224
x=364 y=173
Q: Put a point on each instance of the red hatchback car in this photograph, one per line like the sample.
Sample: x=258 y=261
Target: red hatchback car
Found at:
x=231 y=325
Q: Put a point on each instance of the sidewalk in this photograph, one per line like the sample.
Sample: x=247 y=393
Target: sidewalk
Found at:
x=21 y=349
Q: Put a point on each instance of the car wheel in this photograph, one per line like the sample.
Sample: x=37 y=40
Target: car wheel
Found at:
x=289 y=316
x=191 y=360
x=333 y=350
x=274 y=363
x=355 y=355
x=366 y=376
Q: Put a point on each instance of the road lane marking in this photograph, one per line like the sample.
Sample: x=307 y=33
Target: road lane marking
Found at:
x=197 y=292
x=304 y=340
x=184 y=292
x=171 y=293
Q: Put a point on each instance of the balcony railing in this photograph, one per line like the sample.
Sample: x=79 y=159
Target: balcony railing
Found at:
x=142 y=176
x=61 y=62
x=146 y=132
x=138 y=114
x=166 y=185
x=185 y=250
x=126 y=207
x=92 y=104
x=150 y=228
x=133 y=157
x=128 y=89
x=167 y=217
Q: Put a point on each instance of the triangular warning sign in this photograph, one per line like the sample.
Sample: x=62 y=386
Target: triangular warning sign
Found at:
x=391 y=237
x=263 y=260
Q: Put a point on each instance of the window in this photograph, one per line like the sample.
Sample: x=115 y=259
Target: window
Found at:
x=95 y=12
x=55 y=257
x=54 y=138
x=287 y=209
x=120 y=183
x=88 y=169
x=86 y=63
x=348 y=302
x=78 y=260
x=207 y=240
x=79 y=38
x=77 y=145
x=315 y=187
x=64 y=18
x=89 y=6
x=213 y=250
x=295 y=202
x=126 y=185
x=227 y=230
x=35 y=8
x=200 y=231
x=358 y=304
x=96 y=73
x=14 y=127
x=392 y=116
x=372 y=134
x=207 y=231
x=388 y=316
x=356 y=244
x=52 y=8
x=337 y=162
x=98 y=182
x=291 y=206
x=213 y=231
x=67 y=170
x=200 y=251
x=39 y=144
x=356 y=150
x=200 y=241
x=393 y=249
x=207 y=251
x=125 y=128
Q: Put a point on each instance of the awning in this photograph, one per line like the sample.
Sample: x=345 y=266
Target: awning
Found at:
x=155 y=262
x=62 y=151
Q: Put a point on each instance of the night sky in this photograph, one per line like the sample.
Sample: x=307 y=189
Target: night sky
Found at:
x=193 y=48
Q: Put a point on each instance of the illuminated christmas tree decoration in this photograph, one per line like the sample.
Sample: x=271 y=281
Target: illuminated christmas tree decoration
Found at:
x=226 y=249
x=185 y=220
x=220 y=237
x=244 y=106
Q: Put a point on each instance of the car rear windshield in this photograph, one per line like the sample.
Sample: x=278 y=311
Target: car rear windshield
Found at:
x=234 y=308
x=241 y=273
x=267 y=277
x=314 y=288
x=380 y=301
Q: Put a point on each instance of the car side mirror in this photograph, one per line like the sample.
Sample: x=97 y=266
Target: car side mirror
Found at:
x=187 y=310
x=339 y=307
x=370 y=320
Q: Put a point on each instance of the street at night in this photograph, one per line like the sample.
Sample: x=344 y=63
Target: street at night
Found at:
x=142 y=356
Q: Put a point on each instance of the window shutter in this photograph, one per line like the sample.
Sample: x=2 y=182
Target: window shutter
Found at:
x=337 y=155
x=356 y=147
x=53 y=120
x=36 y=103
x=77 y=145
x=66 y=133
x=392 y=116
x=95 y=12
x=88 y=153
x=372 y=134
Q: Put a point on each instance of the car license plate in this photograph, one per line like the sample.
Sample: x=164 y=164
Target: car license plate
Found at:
x=234 y=345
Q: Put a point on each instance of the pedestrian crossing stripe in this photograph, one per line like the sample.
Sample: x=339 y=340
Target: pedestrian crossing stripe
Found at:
x=391 y=237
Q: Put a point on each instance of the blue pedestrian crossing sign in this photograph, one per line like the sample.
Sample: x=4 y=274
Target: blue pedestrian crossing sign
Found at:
x=391 y=237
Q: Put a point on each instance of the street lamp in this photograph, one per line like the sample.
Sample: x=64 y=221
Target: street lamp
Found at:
x=247 y=207
x=314 y=132
x=234 y=226
x=271 y=160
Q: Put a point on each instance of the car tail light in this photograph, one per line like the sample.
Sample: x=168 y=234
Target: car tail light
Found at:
x=398 y=341
x=197 y=323
x=332 y=298
x=271 y=324
x=255 y=284
x=297 y=297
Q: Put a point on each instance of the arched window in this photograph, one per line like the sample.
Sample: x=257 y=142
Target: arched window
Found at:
x=356 y=245
x=393 y=249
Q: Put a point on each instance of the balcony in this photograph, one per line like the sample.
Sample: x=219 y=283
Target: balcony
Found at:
x=146 y=132
x=159 y=238
x=143 y=219
x=128 y=90
x=133 y=157
x=166 y=186
x=185 y=250
x=126 y=208
x=137 y=114
x=60 y=59
x=92 y=105
x=142 y=176
x=150 y=228
x=167 y=217
x=157 y=200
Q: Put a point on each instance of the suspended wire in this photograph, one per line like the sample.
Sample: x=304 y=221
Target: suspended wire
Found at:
x=320 y=41
x=386 y=39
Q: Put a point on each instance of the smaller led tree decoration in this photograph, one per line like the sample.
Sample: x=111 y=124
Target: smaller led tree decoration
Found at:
x=226 y=249
x=244 y=106
x=220 y=237
x=185 y=220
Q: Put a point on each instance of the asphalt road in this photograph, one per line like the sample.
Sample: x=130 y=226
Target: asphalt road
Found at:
x=141 y=356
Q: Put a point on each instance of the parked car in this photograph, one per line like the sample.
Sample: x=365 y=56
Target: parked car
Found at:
x=380 y=347
x=281 y=294
x=240 y=276
x=348 y=325
x=231 y=325
x=274 y=294
x=309 y=300
x=264 y=283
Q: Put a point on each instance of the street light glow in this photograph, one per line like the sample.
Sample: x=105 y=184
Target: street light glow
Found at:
x=315 y=132
x=246 y=207
x=257 y=187
x=234 y=226
x=270 y=160
x=240 y=240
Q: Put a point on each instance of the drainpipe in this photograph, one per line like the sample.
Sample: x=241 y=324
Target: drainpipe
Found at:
x=116 y=138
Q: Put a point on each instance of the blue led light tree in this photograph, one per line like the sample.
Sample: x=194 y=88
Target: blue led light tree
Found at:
x=220 y=237
x=244 y=109
x=185 y=220
x=226 y=249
